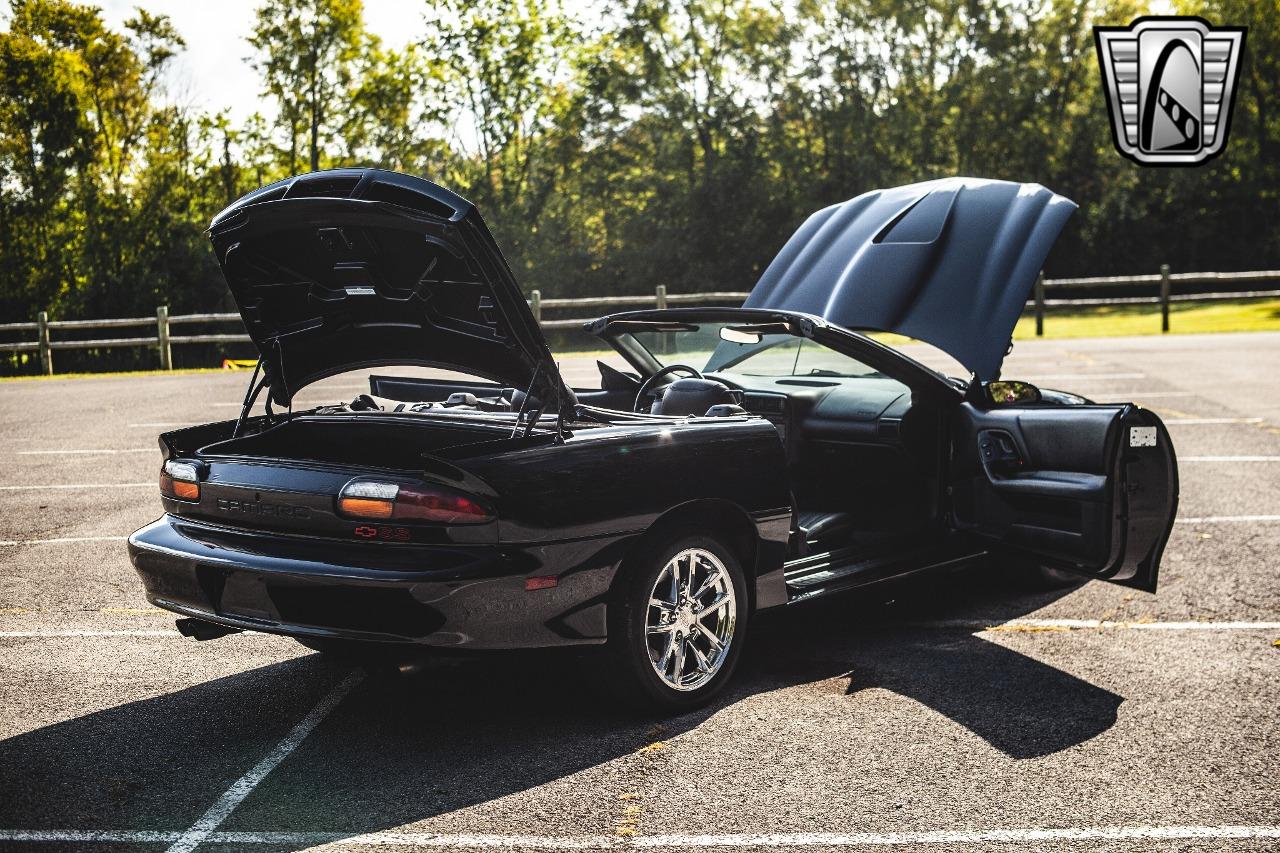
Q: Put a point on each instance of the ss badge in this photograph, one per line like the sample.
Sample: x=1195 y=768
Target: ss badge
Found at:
x=1142 y=436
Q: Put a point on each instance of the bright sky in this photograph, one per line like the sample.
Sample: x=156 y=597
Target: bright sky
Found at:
x=213 y=73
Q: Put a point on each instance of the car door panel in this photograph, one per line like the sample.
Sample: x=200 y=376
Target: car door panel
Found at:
x=1067 y=485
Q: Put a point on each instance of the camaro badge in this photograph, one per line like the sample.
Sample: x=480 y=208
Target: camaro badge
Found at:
x=1170 y=84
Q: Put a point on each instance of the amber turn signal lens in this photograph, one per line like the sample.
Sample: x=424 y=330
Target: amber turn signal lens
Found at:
x=409 y=502
x=365 y=507
x=186 y=491
x=179 y=489
x=180 y=480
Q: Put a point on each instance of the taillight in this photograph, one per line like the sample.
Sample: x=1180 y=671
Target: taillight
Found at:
x=367 y=499
x=180 y=480
x=375 y=499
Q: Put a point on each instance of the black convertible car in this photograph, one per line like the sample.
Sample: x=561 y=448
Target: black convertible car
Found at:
x=752 y=458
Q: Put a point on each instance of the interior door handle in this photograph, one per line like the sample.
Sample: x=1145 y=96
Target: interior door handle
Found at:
x=999 y=452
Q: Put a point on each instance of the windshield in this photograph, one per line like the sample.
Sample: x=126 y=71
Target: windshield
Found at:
x=774 y=355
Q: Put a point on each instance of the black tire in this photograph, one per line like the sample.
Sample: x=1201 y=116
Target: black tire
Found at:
x=632 y=672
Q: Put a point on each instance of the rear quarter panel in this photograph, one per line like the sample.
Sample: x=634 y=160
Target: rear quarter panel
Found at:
x=609 y=486
x=617 y=480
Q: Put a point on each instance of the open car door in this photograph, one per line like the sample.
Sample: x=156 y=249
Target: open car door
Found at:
x=1088 y=489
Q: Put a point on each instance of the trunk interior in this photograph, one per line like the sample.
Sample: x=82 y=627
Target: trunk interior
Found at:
x=361 y=440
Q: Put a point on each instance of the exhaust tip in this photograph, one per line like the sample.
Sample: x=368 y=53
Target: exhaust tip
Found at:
x=199 y=629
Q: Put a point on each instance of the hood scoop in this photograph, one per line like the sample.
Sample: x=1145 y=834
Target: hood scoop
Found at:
x=950 y=262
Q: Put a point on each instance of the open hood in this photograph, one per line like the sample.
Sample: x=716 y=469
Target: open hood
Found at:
x=354 y=268
x=950 y=262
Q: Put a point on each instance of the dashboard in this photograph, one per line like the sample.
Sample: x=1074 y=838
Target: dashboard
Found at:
x=859 y=409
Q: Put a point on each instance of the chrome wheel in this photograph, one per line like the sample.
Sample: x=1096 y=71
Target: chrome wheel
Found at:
x=691 y=616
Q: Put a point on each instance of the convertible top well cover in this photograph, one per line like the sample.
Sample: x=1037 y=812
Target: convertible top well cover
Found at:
x=950 y=262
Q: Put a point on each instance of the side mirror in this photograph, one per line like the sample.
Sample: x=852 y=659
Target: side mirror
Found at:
x=1011 y=393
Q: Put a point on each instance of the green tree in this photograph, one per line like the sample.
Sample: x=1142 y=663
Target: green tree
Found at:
x=502 y=69
x=307 y=55
x=674 y=142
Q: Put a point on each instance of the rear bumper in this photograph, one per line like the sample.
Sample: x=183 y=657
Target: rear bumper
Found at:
x=469 y=596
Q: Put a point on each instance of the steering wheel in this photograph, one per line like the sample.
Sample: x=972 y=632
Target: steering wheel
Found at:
x=662 y=373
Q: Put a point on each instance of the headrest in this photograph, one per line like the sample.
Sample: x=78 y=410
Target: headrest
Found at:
x=692 y=397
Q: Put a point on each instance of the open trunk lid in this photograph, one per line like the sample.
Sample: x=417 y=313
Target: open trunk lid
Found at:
x=950 y=262
x=352 y=268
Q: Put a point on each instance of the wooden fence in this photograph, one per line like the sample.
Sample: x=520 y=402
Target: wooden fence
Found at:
x=1238 y=285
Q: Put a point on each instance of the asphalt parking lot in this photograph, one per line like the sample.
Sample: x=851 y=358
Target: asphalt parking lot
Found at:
x=958 y=714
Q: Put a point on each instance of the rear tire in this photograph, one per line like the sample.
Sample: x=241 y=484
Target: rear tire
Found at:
x=677 y=624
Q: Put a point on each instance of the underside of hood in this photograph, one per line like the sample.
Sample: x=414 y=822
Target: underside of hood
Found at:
x=950 y=262
x=353 y=268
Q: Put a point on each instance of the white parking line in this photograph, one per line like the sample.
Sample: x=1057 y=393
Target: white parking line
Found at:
x=1226 y=519
x=84 y=452
x=958 y=836
x=1229 y=458
x=391 y=838
x=105 y=836
x=45 y=487
x=345 y=386
x=233 y=796
x=1085 y=624
x=1078 y=376
x=75 y=634
x=1140 y=395
x=60 y=540
x=1204 y=421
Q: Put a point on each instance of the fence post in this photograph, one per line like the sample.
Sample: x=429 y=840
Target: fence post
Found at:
x=162 y=334
x=660 y=301
x=1040 y=305
x=46 y=352
x=535 y=305
x=1164 y=298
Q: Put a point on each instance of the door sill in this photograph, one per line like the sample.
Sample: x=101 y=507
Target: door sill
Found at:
x=838 y=571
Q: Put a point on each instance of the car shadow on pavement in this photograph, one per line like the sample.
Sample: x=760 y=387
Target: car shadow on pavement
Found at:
x=464 y=733
x=1020 y=705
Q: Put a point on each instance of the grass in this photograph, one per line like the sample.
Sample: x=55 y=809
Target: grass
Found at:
x=1105 y=321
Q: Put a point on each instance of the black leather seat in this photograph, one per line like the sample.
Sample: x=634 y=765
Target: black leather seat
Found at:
x=824 y=530
x=692 y=397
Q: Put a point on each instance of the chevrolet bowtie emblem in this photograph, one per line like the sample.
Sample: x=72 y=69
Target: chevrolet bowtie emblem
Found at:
x=1170 y=85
